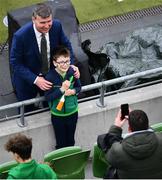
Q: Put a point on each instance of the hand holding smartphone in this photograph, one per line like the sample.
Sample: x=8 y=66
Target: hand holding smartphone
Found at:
x=124 y=110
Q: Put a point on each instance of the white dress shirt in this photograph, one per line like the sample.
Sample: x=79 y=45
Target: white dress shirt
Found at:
x=38 y=38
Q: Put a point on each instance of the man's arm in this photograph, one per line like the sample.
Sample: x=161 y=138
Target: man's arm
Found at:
x=115 y=133
x=20 y=68
x=16 y=60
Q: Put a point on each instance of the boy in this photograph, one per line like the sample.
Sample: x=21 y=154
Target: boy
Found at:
x=27 y=168
x=65 y=88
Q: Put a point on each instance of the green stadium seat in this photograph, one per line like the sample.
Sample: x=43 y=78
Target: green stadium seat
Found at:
x=99 y=162
x=70 y=166
x=157 y=127
x=5 y=167
x=61 y=152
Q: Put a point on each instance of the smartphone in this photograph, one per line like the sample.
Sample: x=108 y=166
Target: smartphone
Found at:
x=124 y=110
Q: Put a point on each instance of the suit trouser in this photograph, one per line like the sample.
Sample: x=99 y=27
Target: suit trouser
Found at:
x=64 y=128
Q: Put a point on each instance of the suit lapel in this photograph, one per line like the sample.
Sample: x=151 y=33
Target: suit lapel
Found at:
x=51 y=40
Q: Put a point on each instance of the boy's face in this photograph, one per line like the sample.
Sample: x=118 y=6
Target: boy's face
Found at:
x=62 y=64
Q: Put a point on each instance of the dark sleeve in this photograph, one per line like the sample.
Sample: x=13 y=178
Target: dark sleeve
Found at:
x=54 y=92
x=17 y=60
x=105 y=141
x=77 y=86
x=77 y=83
x=115 y=130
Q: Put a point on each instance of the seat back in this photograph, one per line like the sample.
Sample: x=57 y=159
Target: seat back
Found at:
x=71 y=166
x=157 y=127
x=99 y=162
x=5 y=167
x=61 y=152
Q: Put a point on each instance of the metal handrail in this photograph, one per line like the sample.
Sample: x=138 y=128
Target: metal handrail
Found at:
x=100 y=85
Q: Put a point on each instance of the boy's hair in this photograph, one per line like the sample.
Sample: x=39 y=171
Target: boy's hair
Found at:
x=138 y=120
x=21 y=145
x=42 y=10
x=60 y=51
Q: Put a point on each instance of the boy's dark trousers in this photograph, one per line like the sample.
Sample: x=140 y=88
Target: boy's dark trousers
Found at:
x=64 y=128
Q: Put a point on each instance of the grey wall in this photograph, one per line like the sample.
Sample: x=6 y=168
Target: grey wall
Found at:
x=92 y=121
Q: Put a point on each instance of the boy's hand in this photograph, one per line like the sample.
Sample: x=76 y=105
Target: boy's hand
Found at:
x=69 y=92
x=65 y=85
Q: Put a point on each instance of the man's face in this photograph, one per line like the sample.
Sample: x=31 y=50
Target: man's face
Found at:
x=42 y=25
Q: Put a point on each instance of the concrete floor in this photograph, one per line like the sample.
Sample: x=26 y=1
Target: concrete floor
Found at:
x=88 y=171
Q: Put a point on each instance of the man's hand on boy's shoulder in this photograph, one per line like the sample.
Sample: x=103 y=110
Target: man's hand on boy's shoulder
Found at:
x=77 y=73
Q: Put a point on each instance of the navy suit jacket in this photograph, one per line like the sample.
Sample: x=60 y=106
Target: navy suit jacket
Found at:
x=25 y=56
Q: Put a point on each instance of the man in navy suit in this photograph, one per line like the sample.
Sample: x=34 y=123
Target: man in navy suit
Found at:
x=25 y=58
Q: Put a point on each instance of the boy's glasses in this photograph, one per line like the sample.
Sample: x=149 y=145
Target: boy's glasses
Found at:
x=63 y=62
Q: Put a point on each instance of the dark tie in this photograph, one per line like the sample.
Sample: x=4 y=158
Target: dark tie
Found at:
x=44 y=67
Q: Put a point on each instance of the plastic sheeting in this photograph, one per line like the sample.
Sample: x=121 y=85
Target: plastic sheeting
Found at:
x=140 y=51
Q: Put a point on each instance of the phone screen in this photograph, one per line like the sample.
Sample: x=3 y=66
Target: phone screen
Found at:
x=124 y=110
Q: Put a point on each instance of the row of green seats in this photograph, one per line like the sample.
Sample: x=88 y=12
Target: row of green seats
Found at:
x=68 y=163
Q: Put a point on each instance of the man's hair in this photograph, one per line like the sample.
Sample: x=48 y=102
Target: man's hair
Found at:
x=21 y=145
x=60 y=51
x=138 y=120
x=42 y=10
